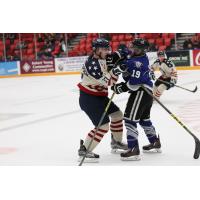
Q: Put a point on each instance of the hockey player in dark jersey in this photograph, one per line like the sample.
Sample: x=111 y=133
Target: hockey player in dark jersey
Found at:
x=98 y=73
x=139 y=104
x=168 y=74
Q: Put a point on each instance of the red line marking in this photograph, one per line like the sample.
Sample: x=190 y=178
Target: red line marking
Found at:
x=7 y=150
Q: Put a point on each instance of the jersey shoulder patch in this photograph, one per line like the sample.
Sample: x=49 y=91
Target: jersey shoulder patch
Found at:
x=168 y=62
x=157 y=61
x=93 y=68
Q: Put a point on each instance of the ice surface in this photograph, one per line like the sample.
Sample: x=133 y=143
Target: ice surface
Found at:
x=41 y=123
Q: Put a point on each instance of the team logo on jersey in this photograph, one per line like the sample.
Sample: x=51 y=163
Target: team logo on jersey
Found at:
x=138 y=64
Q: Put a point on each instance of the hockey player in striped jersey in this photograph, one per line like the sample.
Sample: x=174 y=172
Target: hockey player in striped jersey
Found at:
x=168 y=74
x=139 y=104
x=98 y=73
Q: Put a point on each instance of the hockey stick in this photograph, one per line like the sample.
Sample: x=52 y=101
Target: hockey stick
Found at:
x=97 y=128
x=195 y=89
x=197 y=142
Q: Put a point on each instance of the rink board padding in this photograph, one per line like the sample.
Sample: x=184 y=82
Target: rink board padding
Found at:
x=77 y=72
x=43 y=74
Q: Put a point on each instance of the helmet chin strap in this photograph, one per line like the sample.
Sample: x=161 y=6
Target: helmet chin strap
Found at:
x=98 y=55
x=138 y=52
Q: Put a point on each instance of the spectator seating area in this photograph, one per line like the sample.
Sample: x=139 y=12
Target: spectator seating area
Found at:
x=192 y=43
x=49 y=45
x=46 y=44
x=160 y=41
x=84 y=46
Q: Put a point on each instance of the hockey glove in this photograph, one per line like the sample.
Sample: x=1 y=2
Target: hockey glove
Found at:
x=121 y=68
x=124 y=51
x=109 y=62
x=113 y=59
x=120 y=88
x=172 y=82
x=152 y=75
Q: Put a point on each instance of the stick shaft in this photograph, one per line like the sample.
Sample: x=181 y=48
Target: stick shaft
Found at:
x=165 y=108
x=177 y=86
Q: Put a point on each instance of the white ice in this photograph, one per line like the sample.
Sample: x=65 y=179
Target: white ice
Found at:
x=41 y=123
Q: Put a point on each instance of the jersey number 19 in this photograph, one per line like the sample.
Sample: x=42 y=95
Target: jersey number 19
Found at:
x=136 y=74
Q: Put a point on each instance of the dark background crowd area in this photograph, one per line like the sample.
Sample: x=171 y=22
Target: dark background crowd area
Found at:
x=37 y=46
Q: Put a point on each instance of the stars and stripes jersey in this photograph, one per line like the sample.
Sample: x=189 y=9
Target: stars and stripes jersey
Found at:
x=138 y=68
x=95 y=77
x=166 y=67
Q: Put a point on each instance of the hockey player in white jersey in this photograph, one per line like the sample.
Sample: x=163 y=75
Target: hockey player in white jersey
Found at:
x=168 y=74
x=98 y=73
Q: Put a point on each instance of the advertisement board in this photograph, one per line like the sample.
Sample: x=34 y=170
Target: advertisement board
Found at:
x=8 y=68
x=196 y=57
x=69 y=64
x=180 y=58
x=37 y=66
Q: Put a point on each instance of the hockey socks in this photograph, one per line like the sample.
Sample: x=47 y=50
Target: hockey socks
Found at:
x=149 y=130
x=97 y=138
x=132 y=134
x=116 y=128
x=116 y=125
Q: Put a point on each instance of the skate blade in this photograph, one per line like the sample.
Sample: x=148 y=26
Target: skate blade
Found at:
x=89 y=160
x=153 y=151
x=132 y=158
x=117 y=151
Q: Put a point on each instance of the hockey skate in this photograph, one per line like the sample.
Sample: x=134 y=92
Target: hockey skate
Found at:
x=131 y=154
x=90 y=156
x=153 y=147
x=117 y=147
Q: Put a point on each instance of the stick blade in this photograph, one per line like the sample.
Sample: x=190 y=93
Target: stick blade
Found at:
x=197 y=149
x=195 y=89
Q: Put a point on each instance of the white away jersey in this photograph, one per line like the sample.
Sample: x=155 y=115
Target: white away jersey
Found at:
x=95 y=77
x=166 y=67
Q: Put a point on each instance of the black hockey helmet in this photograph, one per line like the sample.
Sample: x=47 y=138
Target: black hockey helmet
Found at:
x=121 y=47
x=100 y=43
x=161 y=53
x=140 y=43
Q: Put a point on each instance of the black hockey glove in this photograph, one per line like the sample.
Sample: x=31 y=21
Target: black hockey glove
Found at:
x=152 y=75
x=109 y=62
x=116 y=56
x=124 y=51
x=112 y=60
x=121 y=68
x=120 y=88
x=172 y=82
